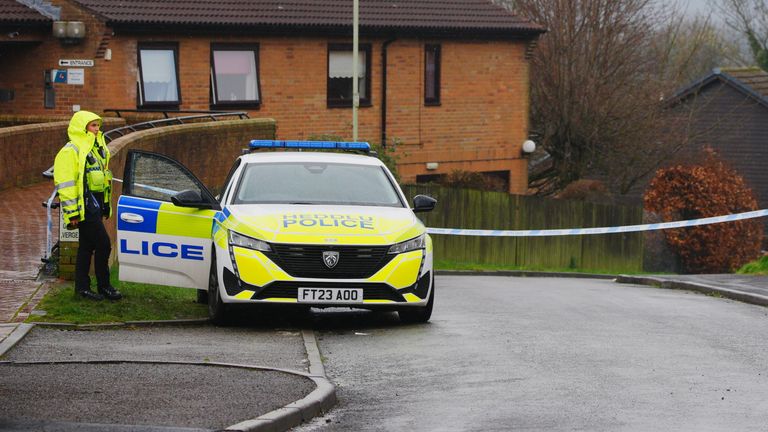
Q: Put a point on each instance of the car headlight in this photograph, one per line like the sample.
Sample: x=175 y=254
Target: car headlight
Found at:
x=409 y=245
x=236 y=239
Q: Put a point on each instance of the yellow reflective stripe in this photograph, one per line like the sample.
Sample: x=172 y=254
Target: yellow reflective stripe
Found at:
x=220 y=238
x=401 y=272
x=410 y=298
x=378 y=301
x=184 y=221
x=67 y=203
x=256 y=269
x=65 y=184
x=245 y=295
x=281 y=299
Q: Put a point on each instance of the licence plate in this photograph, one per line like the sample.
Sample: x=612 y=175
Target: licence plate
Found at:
x=330 y=295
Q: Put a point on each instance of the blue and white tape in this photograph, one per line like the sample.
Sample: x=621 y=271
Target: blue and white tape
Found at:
x=603 y=230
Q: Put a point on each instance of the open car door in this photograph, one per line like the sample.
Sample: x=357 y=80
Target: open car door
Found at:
x=165 y=216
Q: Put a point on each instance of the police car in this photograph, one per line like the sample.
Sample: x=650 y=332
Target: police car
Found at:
x=312 y=229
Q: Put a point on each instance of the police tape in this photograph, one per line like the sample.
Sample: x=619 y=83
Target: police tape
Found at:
x=602 y=230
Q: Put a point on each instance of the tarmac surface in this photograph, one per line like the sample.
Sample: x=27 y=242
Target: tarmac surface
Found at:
x=104 y=354
x=200 y=377
x=550 y=354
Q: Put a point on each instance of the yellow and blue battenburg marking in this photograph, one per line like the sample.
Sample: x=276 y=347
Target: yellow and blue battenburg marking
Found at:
x=155 y=217
x=220 y=217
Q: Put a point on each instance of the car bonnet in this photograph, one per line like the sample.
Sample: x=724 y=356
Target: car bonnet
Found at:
x=343 y=225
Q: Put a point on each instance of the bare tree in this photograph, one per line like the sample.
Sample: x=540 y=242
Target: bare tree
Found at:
x=750 y=19
x=598 y=78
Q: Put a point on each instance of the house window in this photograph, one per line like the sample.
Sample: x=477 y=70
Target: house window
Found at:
x=235 y=76
x=432 y=75
x=158 y=81
x=340 y=75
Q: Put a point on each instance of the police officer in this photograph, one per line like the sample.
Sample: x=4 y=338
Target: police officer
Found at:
x=84 y=184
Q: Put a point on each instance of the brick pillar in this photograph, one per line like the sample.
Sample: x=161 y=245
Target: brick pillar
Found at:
x=67 y=257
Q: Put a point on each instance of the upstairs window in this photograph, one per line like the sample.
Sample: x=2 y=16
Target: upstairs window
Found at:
x=158 y=83
x=235 y=76
x=432 y=75
x=340 y=75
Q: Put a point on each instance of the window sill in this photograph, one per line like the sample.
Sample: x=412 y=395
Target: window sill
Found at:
x=159 y=106
x=345 y=104
x=250 y=106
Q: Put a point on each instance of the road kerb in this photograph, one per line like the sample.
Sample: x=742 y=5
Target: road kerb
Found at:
x=16 y=335
x=318 y=401
x=732 y=294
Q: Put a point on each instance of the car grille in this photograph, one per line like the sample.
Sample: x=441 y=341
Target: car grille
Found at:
x=306 y=261
x=374 y=291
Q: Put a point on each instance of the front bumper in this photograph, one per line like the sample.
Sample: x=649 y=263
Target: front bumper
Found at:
x=250 y=276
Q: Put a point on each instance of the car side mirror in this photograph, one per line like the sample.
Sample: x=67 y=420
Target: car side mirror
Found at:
x=192 y=198
x=423 y=203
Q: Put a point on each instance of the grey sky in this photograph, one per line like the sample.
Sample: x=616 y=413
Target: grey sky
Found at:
x=696 y=6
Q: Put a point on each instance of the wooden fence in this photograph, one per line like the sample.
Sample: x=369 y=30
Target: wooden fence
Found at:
x=471 y=209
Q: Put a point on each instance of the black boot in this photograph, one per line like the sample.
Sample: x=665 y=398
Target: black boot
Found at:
x=88 y=294
x=110 y=293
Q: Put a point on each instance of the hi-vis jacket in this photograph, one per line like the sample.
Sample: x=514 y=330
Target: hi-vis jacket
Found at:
x=84 y=158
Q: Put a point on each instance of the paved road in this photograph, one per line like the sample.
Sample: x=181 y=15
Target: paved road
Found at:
x=550 y=354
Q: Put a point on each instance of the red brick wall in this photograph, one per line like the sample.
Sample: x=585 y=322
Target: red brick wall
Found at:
x=207 y=149
x=480 y=124
x=22 y=68
x=26 y=151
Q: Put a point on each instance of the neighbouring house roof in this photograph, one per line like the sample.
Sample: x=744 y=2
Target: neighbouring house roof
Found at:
x=13 y=12
x=459 y=17
x=753 y=82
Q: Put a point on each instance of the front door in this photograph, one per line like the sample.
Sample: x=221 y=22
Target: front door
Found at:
x=160 y=242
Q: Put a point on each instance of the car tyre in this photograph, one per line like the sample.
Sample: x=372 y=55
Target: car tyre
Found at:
x=418 y=314
x=217 y=309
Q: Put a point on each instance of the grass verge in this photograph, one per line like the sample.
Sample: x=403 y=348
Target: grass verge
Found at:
x=759 y=267
x=141 y=302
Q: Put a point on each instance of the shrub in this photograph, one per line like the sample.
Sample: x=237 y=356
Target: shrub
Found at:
x=473 y=180
x=705 y=190
x=586 y=190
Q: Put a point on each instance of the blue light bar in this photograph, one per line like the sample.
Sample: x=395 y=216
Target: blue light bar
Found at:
x=314 y=145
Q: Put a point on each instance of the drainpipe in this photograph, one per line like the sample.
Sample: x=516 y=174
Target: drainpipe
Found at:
x=384 y=91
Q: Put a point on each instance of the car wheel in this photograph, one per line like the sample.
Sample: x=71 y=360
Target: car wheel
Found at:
x=216 y=308
x=418 y=314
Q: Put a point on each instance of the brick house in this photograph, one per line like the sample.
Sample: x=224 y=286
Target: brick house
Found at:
x=447 y=79
x=728 y=112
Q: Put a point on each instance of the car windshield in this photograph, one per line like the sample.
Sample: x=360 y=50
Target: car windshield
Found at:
x=316 y=183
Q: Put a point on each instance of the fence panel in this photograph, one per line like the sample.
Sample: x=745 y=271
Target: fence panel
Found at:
x=472 y=209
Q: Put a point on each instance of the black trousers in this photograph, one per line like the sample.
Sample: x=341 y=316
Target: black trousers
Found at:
x=94 y=240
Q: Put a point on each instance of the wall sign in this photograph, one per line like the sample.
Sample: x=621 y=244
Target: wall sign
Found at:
x=76 y=76
x=67 y=235
x=75 y=62
x=59 y=75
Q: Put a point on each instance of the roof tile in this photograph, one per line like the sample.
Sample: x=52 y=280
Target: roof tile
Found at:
x=755 y=78
x=12 y=11
x=381 y=14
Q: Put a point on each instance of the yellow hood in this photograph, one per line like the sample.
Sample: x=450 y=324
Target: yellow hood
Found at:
x=76 y=130
x=325 y=224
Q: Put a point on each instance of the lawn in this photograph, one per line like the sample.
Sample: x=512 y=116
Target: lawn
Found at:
x=759 y=267
x=141 y=302
x=454 y=265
